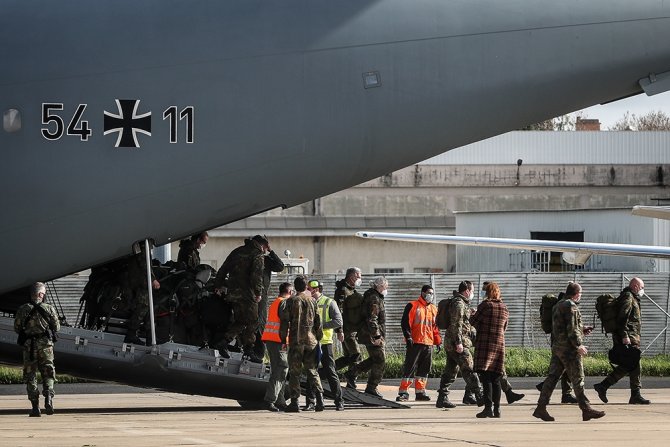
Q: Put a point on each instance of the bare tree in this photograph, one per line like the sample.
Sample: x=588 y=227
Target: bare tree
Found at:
x=654 y=120
x=563 y=122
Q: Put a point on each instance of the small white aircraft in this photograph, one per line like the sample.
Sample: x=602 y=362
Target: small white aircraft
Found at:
x=577 y=253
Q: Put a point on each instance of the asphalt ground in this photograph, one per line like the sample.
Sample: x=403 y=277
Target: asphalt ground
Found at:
x=96 y=414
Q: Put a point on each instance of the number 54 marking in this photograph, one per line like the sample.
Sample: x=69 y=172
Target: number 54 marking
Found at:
x=76 y=126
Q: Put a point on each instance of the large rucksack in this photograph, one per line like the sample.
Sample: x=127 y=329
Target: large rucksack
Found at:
x=546 y=307
x=607 y=308
x=442 y=318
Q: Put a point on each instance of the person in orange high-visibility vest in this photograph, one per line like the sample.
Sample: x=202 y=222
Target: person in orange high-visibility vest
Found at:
x=274 y=394
x=421 y=334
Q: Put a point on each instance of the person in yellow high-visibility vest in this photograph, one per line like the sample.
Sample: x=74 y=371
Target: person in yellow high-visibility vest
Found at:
x=274 y=394
x=331 y=319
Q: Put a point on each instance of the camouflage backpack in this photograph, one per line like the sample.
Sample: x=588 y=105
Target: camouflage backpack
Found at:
x=607 y=308
x=546 y=307
x=442 y=318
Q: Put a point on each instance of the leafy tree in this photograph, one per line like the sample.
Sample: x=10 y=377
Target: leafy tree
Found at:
x=654 y=120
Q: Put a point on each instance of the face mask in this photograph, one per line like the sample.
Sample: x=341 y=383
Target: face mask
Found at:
x=429 y=298
x=358 y=282
x=482 y=293
x=640 y=293
x=384 y=292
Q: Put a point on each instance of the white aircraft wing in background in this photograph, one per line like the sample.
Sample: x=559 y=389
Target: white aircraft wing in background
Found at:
x=573 y=252
x=659 y=212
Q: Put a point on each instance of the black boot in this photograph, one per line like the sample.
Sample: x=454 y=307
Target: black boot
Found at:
x=637 y=399
x=350 y=377
x=480 y=396
x=541 y=413
x=539 y=386
x=35 y=412
x=250 y=355
x=293 y=407
x=131 y=337
x=487 y=412
x=568 y=399
x=339 y=405
x=601 y=389
x=373 y=391
x=48 y=404
x=309 y=405
x=589 y=413
x=512 y=396
x=443 y=401
x=496 y=411
x=319 y=402
x=469 y=398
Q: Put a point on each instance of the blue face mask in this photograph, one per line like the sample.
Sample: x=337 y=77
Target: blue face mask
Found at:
x=482 y=293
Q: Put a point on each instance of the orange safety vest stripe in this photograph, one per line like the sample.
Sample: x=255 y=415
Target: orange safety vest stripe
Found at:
x=422 y=323
x=271 y=332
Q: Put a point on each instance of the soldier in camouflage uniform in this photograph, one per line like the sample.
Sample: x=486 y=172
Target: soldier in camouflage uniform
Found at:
x=372 y=332
x=188 y=250
x=242 y=276
x=567 y=351
x=301 y=323
x=271 y=263
x=36 y=323
x=629 y=325
x=137 y=294
x=457 y=344
x=349 y=300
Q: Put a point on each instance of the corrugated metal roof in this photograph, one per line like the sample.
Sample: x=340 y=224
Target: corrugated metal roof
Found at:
x=542 y=148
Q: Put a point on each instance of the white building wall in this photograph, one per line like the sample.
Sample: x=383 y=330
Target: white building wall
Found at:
x=610 y=226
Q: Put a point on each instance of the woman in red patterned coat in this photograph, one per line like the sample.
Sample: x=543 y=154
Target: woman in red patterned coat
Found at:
x=490 y=320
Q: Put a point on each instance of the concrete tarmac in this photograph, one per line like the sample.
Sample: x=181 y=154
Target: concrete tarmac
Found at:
x=131 y=417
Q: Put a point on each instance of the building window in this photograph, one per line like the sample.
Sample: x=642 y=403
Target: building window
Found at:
x=387 y=271
x=422 y=270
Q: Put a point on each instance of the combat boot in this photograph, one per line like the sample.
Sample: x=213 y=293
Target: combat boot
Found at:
x=309 y=405
x=487 y=412
x=35 y=412
x=350 y=377
x=637 y=399
x=319 y=402
x=48 y=404
x=270 y=406
x=513 y=397
x=601 y=389
x=373 y=392
x=539 y=386
x=568 y=399
x=496 y=411
x=469 y=398
x=589 y=413
x=541 y=413
x=339 y=405
x=250 y=355
x=293 y=407
x=402 y=397
x=422 y=397
x=443 y=401
x=131 y=337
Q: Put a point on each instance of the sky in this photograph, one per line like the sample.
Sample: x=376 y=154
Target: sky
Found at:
x=640 y=105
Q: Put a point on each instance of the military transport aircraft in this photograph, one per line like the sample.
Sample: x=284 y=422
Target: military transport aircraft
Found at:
x=577 y=253
x=128 y=121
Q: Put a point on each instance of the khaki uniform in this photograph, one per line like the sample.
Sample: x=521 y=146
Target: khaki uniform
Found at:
x=300 y=317
x=350 y=301
x=458 y=332
x=629 y=324
x=373 y=327
x=242 y=274
x=38 y=351
x=567 y=335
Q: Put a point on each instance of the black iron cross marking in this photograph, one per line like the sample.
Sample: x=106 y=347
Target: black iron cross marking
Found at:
x=127 y=123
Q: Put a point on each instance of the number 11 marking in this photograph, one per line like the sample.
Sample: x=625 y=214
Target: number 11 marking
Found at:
x=187 y=113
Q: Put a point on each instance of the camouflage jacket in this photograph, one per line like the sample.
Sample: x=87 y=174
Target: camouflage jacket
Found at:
x=271 y=263
x=566 y=326
x=373 y=316
x=36 y=326
x=188 y=254
x=459 y=329
x=351 y=303
x=137 y=271
x=242 y=271
x=629 y=321
x=299 y=316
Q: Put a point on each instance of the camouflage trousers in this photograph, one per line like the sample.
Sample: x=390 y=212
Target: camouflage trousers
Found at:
x=374 y=363
x=302 y=358
x=38 y=354
x=351 y=353
x=139 y=306
x=620 y=372
x=569 y=362
x=456 y=362
x=245 y=320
